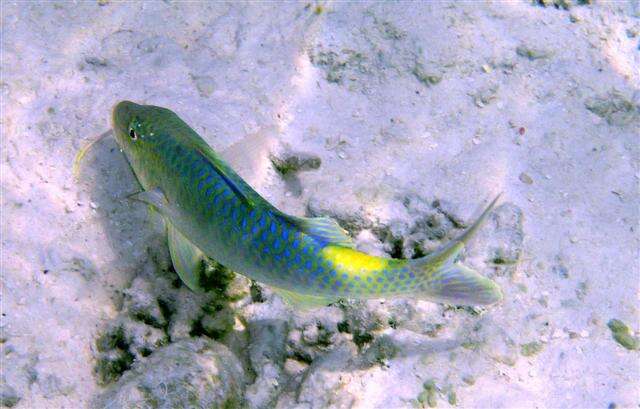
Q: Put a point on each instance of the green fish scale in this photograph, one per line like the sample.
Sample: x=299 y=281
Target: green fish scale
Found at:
x=223 y=216
x=282 y=258
x=279 y=254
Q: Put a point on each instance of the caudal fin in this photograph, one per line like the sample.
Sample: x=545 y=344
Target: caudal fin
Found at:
x=460 y=285
x=444 y=279
x=450 y=251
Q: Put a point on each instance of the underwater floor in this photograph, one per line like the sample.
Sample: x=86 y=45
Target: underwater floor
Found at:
x=399 y=120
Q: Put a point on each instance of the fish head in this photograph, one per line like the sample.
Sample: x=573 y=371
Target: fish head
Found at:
x=137 y=129
x=130 y=122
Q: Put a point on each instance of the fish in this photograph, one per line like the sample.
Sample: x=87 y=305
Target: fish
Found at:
x=212 y=212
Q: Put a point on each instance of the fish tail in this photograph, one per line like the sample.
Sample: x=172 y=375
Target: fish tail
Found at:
x=456 y=283
x=442 y=278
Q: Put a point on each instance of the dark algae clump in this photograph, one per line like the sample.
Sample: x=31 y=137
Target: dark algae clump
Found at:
x=622 y=334
x=115 y=357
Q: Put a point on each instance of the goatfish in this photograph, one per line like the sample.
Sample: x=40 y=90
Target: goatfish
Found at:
x=210 y=211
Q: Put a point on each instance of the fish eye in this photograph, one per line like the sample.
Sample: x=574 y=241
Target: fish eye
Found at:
x=133 y=134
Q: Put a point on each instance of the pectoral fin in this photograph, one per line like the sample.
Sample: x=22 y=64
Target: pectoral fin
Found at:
x=302 y=301
x=188 y=260
x=155 y=198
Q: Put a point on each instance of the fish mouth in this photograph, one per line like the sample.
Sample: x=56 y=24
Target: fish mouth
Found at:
x=122 y=114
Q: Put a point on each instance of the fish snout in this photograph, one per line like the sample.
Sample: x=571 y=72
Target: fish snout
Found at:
x=122 y=114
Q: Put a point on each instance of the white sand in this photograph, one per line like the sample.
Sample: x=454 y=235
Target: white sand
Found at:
x=403 y=103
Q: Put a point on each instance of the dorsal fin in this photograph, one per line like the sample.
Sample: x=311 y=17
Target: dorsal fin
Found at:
x=302 y=302
x=234 y=183
x=323 y=229
x=249 y=156
x=449 y=252
x=241 y=188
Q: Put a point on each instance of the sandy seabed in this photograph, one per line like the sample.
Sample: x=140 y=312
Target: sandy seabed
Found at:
x=401 y=119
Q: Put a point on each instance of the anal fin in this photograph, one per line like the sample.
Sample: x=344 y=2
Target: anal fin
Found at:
x=302 y=301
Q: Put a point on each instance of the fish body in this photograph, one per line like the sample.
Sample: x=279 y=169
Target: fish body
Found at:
x=211 y=211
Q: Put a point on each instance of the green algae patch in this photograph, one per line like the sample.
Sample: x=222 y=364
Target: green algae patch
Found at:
x=215 y=278
x=382 y=351
x=361 y=338
x=115 y=356
x=472 y=345
x=112 y=340
x=426 y=78
x=452 y=398
x=531 y=348
x=533 y=53
x=622 y=334
x=469 y=379
x=112 y=365
x=428 y=396
x=615 y=108
x=292 y=162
